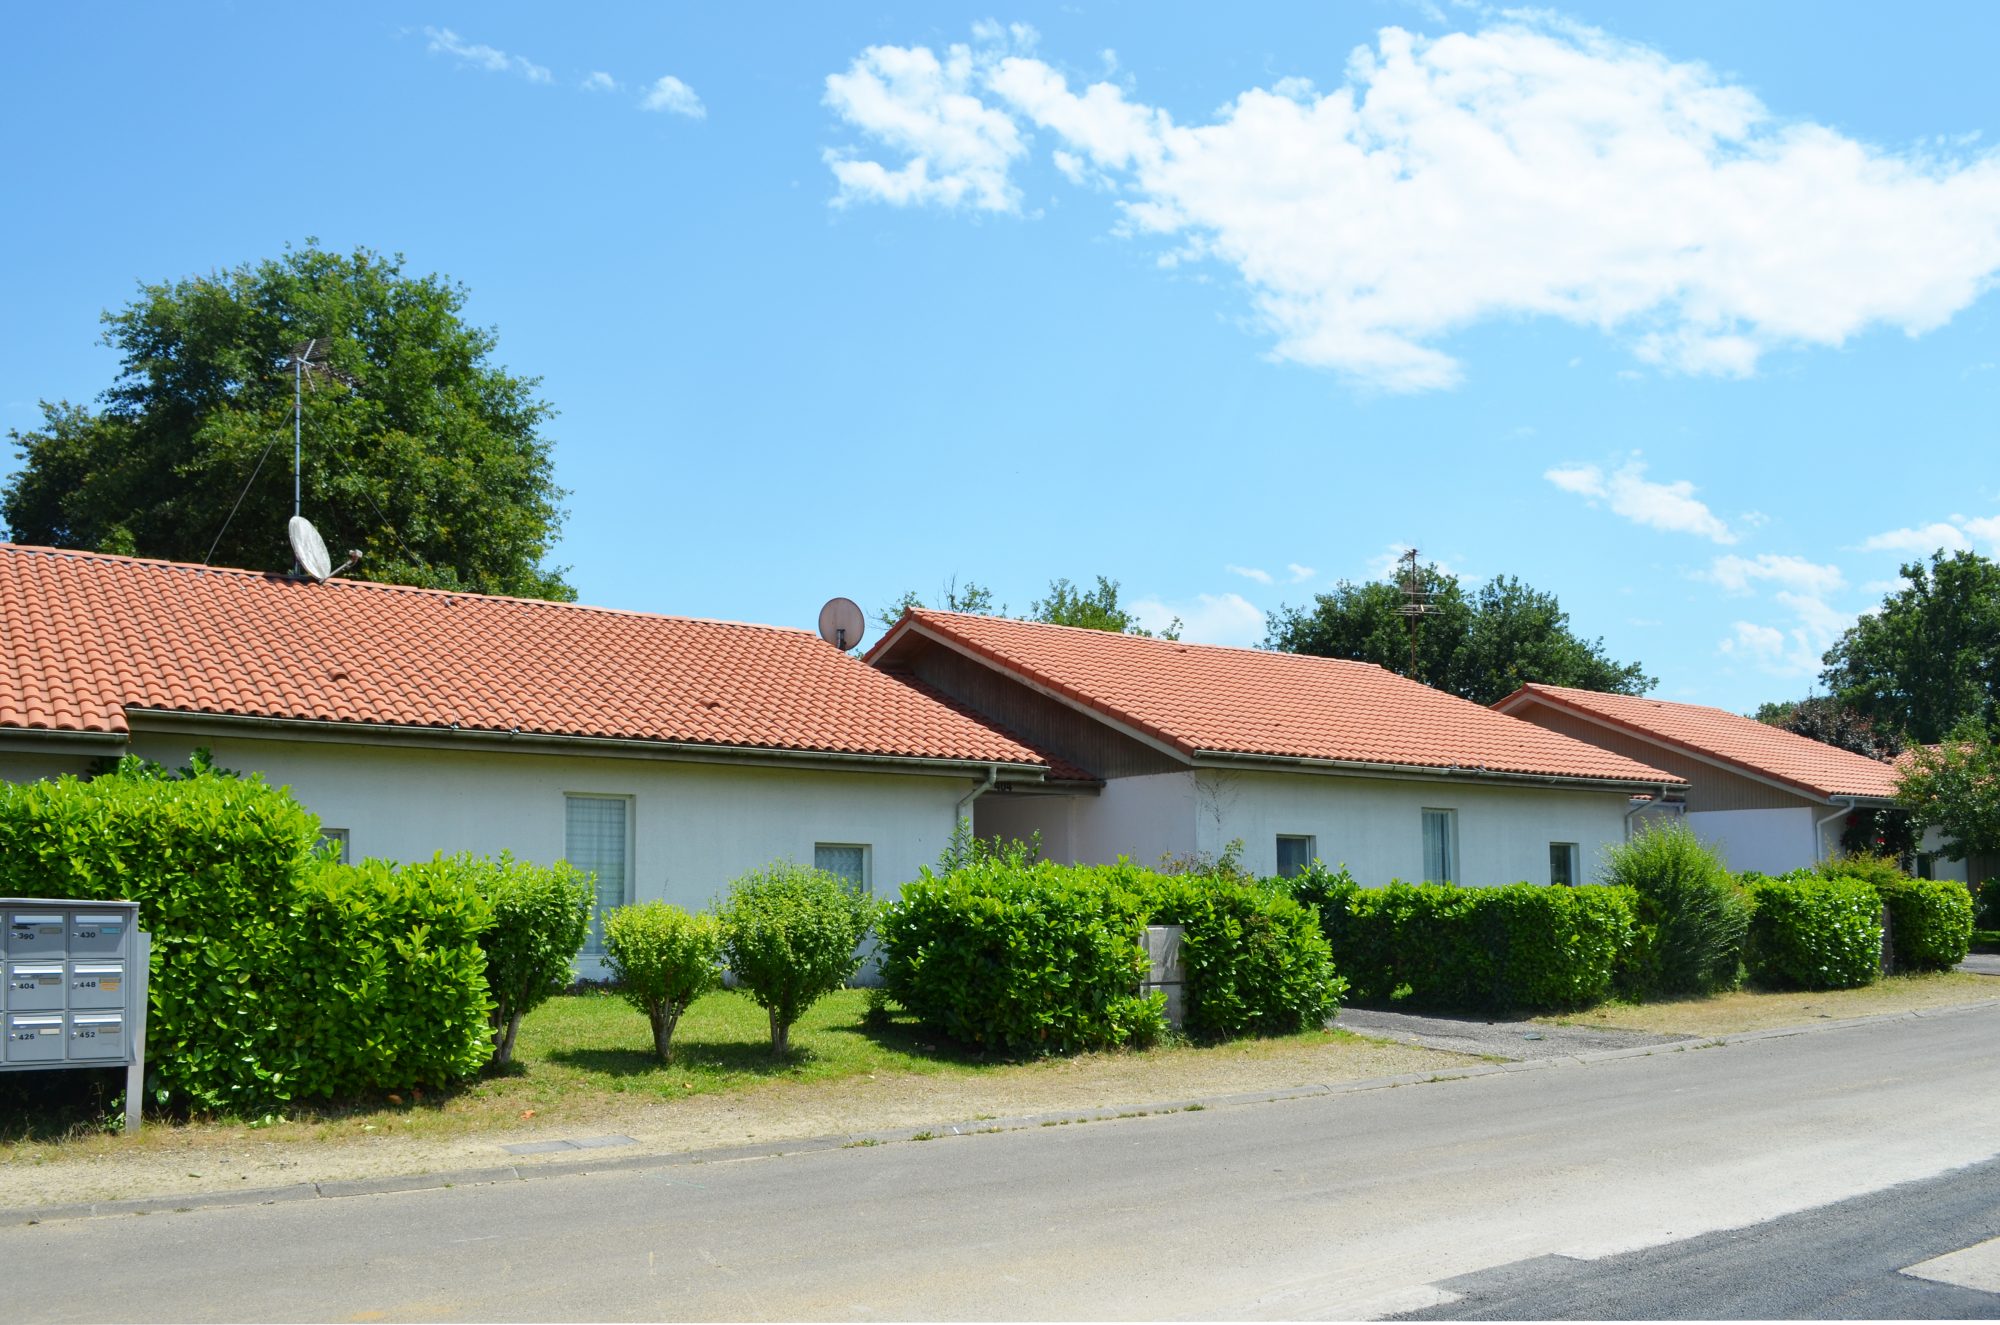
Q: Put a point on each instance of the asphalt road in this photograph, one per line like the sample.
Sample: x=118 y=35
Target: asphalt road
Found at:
x=1329 y=1206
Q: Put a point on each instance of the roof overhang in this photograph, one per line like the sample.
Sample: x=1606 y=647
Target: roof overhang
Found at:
x=149 y=721
x=47 y=741
x=1523 y=697
x=1429 y=773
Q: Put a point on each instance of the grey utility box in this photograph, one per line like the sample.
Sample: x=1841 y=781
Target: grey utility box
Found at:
x=74 y=993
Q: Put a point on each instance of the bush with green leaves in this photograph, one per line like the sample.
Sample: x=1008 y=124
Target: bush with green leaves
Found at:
x=541 y=917
x=1692 y=912
x=1254 y=959
x=1519 y=947
x=790 y=935
x=1023 y=958
x=1811 y=932
x=662 y=959
x=387 y=981
x=1930 y=922
x=1988 y=904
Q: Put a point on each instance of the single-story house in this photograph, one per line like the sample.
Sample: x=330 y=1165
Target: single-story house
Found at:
x=1767 y=799
x=666 y=754
x=1176 y=749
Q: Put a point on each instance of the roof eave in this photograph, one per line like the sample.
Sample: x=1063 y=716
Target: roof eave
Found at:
x=1433 y=773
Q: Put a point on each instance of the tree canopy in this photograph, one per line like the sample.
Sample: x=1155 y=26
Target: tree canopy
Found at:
x=419 y=450
x=1824 y=718
x=1929 y=657
x=1066 y=605
x=1480 y=646
x=1954 y=786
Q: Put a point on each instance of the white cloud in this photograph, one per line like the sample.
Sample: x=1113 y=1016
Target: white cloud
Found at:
x=1957 y=533
x=1795 y=649
x=1250 y=573
x=1535 y=167
x=1211 y=618
x=1738 y=574
x=670 y=94
x=1668 y=506
x=443 y=41
x=1300 y=574
x=599 y=81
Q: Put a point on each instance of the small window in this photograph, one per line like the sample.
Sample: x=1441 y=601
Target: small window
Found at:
x=1926 y=865
x=1295 y=855
x=336 y=838
x=1562 y=864
x=597 y=840
x=848 y=860
x=1440 y=846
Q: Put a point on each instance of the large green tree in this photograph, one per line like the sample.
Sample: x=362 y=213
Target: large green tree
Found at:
x=1068 y=604
x=1929 y=657
x=1954 y=786
x=1480 y=645
x=1824 y=718
x=419 y=450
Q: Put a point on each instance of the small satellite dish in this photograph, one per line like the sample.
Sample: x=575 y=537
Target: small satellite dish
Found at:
x=841 y=623
x=309 y=548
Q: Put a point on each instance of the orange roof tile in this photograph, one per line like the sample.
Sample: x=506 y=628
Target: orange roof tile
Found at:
x=1729 y=738
x=1198 y=698
x=87 y=637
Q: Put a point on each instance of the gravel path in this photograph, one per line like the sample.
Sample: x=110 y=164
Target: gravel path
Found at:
x=1516 y=1041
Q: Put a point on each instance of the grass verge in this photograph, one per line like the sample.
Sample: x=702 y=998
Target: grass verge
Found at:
x=1759 y=1009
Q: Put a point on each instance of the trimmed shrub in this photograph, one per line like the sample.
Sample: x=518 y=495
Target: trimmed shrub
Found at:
x=662 y=959
x=1023 y=959
x=1930 y=922
x=388 y=985
x=1692 y=914
x=1255 y=960
x=1814 y=933
x=790 y=934
x=1523 y=946
x=541 y=916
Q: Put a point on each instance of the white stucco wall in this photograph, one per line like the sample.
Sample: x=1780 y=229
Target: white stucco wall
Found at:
x=1769 y=841
x=24 y=766
x=1942 y=866
x=693 y=826
x=1144 y=818
x=1019 y=816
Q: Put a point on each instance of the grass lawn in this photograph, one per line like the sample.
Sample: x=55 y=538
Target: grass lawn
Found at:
x=1986 y=940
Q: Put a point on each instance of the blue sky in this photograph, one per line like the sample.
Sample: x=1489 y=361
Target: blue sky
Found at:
x=1680 y=312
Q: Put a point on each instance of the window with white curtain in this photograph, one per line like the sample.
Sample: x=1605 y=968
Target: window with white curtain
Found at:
x=597 y=838
x=848 y=860
x=1440 y=846
x=1295 y=854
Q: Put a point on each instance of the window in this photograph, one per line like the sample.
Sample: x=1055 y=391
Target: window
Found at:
x=1440 y=846
x=337 y=839
x=1562 y=864
x=1295 y=855
x=597 y=840
x=849 y=861
x=1926 y=865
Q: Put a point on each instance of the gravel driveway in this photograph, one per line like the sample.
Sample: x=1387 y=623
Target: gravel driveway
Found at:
x=1513 y=1040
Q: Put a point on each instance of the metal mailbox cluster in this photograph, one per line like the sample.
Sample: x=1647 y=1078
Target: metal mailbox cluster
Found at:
x=74 y=993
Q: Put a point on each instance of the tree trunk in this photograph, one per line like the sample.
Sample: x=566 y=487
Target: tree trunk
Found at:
x=664 y=1021
x=781 y=1035
x=503 y=1038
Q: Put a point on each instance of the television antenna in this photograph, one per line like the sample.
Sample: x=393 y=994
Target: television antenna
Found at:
x=1416 y=606
x=308 y=361
x=841 y=623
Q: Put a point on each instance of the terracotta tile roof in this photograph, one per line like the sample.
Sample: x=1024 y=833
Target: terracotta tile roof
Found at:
x=1730 y=738
x=88 y=636
x=1197 y=697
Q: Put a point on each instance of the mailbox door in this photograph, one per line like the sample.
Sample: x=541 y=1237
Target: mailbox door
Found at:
x=99 y=933
x=34 y=987
x=33 y=1038
x=97 y=984
x=97 y=1035
x=35 y=934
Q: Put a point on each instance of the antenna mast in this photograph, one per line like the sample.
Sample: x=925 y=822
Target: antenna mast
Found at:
x=299 y=360
x=1416 y=606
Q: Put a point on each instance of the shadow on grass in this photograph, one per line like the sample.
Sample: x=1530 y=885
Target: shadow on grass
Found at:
x=727 y=1056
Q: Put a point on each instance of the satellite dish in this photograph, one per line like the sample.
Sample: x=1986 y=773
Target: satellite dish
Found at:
x=309 y=548
x=841 y=623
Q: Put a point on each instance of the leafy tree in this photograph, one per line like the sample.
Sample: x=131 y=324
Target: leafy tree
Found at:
x=1929 y=657
x=789 y=935
x=419 y=450
x=1954 y=786
x=1824 y=718
x=663 y=959
x=1092 y=609
x=974 y=600
x=1481 y=646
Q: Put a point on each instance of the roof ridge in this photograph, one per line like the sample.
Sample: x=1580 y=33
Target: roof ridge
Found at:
x=379 y=586
x=1252 y=650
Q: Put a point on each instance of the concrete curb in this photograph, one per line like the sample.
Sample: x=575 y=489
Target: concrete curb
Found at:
x=306 y=1191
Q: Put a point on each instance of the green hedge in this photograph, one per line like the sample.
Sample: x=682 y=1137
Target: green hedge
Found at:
x=1039 y=959
x=1692 y=913
x=1930 y=922
x=1813 y=932
x=1254 y=959
x=274 y=977
x=1519 y=947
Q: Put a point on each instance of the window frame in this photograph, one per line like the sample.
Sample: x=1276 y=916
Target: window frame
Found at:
x=1312 y=853
x=1572 y=864
x=341 y=837
x=1452 y=860
x=593 y=942
x=867 y=850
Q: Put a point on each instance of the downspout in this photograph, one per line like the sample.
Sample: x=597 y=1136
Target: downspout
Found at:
x=963 y=813
x=1659 y=799
x=1818 y=824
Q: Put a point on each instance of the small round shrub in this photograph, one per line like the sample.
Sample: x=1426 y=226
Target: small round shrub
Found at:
x=789 y=935
x=1692 y=914
x=662 y=959
x=541 y=916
